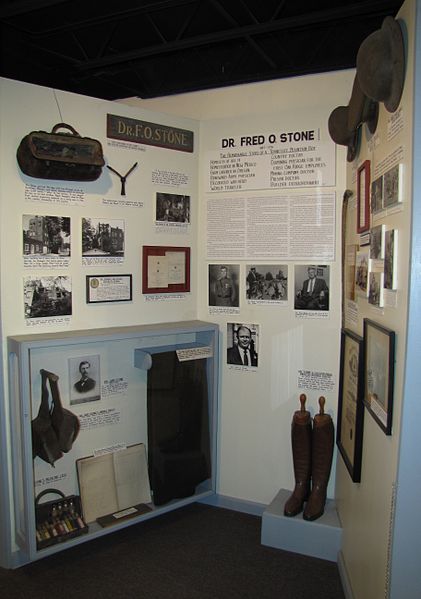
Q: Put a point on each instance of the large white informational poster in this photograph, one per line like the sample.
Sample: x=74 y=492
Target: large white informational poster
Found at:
x=289 y=227
x=271 y=161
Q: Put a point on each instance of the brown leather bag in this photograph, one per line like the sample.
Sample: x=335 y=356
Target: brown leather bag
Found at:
x=64 y=155
x=64 y=422
x=44 y=439
x=55 y=428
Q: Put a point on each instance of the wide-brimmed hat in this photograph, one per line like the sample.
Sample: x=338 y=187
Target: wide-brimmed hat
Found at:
x=344 y=122
x=381 y=64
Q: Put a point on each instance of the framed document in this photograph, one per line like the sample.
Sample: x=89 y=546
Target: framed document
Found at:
x=349 y=429
x=166 y=269
x=363 y=197
x=379 y=351
x=108 y=288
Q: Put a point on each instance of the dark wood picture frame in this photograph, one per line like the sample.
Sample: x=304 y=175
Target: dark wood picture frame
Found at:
x=173 y=277
x=93 y=283
x=363 y=197
x=349 y=428
x=379 y=358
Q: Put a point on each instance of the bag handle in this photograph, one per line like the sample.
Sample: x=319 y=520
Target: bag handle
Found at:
x=55 y=393
x=65 y=126
x=46 y=492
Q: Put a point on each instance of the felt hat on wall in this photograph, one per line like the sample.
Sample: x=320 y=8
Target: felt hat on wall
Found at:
x=344 y=121
x=381 y=64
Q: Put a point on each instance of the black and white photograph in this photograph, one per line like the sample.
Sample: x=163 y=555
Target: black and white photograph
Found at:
x=243 y=344
x=361 y=273
x=224 y=285
x=390 y=259
x=377 y=195
x=46 y=297
x=311 y=287
x=47 y=236
x=267 y=283
x=377 y=242
x=172 y=207
x=375 y=289
x=102 y=237
x=392 y=186
x=85 y=380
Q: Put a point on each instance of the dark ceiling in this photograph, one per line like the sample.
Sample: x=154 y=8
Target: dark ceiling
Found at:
x=114 y=50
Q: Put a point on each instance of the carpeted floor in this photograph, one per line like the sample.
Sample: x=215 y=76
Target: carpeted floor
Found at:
x=196 y=552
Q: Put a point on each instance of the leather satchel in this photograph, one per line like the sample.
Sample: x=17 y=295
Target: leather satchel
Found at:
x=55 y=428
x=60 y=155
x=64 y=422
x=44 y=439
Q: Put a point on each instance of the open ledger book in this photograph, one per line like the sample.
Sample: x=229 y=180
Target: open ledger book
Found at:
x=114 y=484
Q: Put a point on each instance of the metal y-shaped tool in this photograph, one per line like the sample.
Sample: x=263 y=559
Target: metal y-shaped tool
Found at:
x=122 y=177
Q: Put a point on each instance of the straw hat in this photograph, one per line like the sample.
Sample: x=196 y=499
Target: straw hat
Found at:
x=381 y=64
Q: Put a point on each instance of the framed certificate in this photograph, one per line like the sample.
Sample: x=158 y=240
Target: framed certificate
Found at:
x=349 y=429
x=379 y=352
x=108 y=288
x=166 y=269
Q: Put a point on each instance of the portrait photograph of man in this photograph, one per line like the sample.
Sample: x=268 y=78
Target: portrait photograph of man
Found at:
x=84 y=377
x=224 y=285
x=311 y=287
x=242 y=344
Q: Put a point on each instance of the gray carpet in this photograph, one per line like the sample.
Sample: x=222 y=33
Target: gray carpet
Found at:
x=196 y=552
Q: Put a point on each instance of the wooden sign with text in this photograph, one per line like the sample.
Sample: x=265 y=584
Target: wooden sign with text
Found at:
x=150 y=134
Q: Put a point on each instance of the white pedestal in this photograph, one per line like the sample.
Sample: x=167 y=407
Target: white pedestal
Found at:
x=321 y=538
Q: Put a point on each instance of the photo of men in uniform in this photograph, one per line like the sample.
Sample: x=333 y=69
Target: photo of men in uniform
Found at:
x=311 y=287
x=223 y=285
x=242 y=344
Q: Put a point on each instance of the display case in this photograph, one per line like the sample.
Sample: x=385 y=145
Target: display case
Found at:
x=152 y=386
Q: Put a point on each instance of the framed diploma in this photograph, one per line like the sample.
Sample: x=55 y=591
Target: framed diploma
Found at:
x=363 y=197
x=379 y=353
x=108 y=288
x=349 y=429
x=166 y=269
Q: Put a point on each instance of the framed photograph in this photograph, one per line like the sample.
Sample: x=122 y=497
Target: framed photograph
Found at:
x=349 y=429
x=84 y=379
x=172 y=208
x=108 y=288
x=242 y=345
x=166 y=269
x=377 y=242
x=363 y=197
x=266 y=283
x=102 y=238
x=224 y=286
x=46 y=237
x=312 y=283
x=377 y=195
x=393 y=192
x=379 y=356
x=390 y=259
x=375 y=288
x=361 y=273
x=47 y=297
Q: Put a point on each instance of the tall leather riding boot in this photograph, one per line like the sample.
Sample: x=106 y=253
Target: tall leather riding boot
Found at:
x=301 y=455
x=322 y=452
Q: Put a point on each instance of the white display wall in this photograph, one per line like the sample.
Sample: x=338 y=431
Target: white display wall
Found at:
x=367 y=509
x=160 y=172
x=297 y=353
